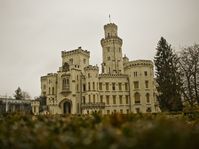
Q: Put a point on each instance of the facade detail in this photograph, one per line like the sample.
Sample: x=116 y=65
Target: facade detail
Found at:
x=122 y=86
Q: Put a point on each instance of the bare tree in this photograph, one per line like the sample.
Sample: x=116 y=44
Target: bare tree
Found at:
x=189 y=64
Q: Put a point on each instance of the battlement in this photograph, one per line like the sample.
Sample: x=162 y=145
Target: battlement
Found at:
x=130 y=64
x=110 y=25
x=113 y=76
x=51 y=74
x=90 y=67
x=76 y=51
x=48 y=75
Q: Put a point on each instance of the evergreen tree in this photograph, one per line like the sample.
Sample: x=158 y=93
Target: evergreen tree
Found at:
x=168 y=77
x=18 y=94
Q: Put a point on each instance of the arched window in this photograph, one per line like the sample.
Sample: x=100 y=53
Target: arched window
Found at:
x=65 y=67
x=147 y=97
x=137 y=97
x=53 y=92
x=49 y=91
x=64 y=84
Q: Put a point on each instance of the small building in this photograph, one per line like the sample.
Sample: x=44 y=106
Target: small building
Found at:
x=13 y=105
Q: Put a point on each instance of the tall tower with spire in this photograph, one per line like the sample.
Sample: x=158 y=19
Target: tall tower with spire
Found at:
x=111 y=50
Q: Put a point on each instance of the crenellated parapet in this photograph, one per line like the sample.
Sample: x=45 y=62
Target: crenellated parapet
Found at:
x=146 y=63
x=76 y=51
x=112 y=75
x=90 y=67
x=110 y=25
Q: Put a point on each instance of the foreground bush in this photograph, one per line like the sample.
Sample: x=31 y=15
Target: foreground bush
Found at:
x=114 y=131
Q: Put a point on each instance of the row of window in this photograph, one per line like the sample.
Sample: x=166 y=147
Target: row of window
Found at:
x=116 y=99
x=138 y=99
x=71 y=60
x=137 y=110
x=113 y=88
x=51 y=91
x=65 y=86
x=135 y=74
x=107 y=86
x=108 y=49
x=106 y=99
x=136 y=84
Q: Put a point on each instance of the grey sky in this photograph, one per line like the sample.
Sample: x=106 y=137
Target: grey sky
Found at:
x=34 y=32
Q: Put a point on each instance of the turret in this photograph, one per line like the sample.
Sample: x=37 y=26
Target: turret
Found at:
x=112 y=50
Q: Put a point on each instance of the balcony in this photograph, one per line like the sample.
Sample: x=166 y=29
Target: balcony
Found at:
x=65 y=90
x=97 y=105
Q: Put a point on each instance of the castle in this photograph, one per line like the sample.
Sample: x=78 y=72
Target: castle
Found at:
x=123 y=86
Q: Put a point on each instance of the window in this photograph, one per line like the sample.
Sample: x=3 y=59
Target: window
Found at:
x=71 y=61
x=137 y=110
x=135 y=74
x=148 y=109
x=65 y=67
x=89 y=86
x=83 y=100
x=120 y=86
x=115 y=111
x=100 y=86
x=147 y=84
x=89 y=98
x=113 y=86
x=89 y=75
x=93 y=98
x=114 y=99
x=107 y=99
x=121 y=111
x=147 y=98
x=108 y=49
x=64 y=84
x=93 y=85
x=108 y=58
x=101 y=98
x=137 y=98
x=84 y=87
x=136 y=84
x=53 y=92
x=145 y=73
x=77 y=87
x=119 y=49
x=49 y=91
x=107 y=86
x=84 y=61
x=127 y=99
x=120 y=98
x=126 y=86
x=127 y=111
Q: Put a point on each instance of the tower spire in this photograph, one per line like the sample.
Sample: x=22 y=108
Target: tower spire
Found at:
x=109 y=18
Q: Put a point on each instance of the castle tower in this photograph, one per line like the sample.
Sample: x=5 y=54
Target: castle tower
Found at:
x=112 y=50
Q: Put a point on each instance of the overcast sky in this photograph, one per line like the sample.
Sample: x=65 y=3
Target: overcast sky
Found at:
x=34 y=32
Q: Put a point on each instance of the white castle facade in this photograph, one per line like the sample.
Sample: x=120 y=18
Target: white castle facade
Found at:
x=123 y=86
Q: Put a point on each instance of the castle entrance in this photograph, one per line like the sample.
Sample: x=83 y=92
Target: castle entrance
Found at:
x=67 y=107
